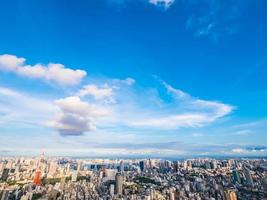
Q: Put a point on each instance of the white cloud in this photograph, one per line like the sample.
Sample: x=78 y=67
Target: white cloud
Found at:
x=163 y=3
x=213 y=19
x=243 y=132
x=97 y=92
x=160 y=3
x=176 y=92
x=56 y=73
x=76 y=116
x=17 y=108
x=239 y=151
x=134 y=109
x=161 y=149
x=249 y=150
x=186 y=111
x=173 y=121
x=128 y=81
x=216 y=108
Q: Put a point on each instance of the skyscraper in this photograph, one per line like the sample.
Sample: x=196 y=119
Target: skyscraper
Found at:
x=5 y=174
x=236 y=176
x=248 y=176
x=175 y=166
x=111 y=189
x=121 y=167
x=172 y=194
x=74 y=176
x=142 y=165
x=119 y=183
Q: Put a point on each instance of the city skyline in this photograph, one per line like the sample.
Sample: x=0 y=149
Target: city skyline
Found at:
x=125 y=78
x=132 y=179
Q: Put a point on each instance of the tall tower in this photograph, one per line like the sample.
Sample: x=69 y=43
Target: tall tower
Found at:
x=121 y=167
x=119 y=182
x=37 y=177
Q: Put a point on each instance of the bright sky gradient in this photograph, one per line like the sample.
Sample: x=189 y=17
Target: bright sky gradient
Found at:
x=163 y=78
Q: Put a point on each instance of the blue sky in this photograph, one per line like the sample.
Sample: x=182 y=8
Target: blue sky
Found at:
x=164 y=78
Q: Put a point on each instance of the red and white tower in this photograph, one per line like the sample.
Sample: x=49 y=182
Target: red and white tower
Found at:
x=37 y=177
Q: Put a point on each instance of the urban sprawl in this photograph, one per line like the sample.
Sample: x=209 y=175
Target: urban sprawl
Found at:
x=132 y=179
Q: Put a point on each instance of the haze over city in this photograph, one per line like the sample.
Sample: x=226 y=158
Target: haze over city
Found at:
x=133 y=78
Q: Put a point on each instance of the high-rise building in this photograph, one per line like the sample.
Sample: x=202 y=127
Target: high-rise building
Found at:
x=214 y=164
x=2 y=166
x=74 y=176
x=207 y=164
x=172 y=194
x=264 y=181
x=230 y=195
x=119 y=183
x=248 y=176
x=236 y=176
x=37 y=177
x=152 y=193
x=142 y=165
x=110 y=174
x=5 y=174
x=4 y=194
x=111 y=189
x=175 y=166
x=121 y=167
x=52 y=169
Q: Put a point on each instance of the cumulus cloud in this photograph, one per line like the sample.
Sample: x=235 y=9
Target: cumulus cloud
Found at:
x=98 y=93
x=52 y=72
x=76 y=116
x=162 y=3
x=132 y=108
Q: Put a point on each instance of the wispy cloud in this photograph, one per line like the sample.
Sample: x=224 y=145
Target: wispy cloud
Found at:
x=19 y=108
x=165 y=4
x=114 y=104
x=128 y=81
x=133 y=109
x=243 y=132
x=110 y=108
x=52 y=72
x=162 y=3
x=186 y=111
x=213 y=19
x=250 y=150
x=76 y=116
x=173 y=149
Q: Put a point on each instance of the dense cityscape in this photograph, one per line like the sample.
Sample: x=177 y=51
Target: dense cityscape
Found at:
x=132 y=179
x=133 y=100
